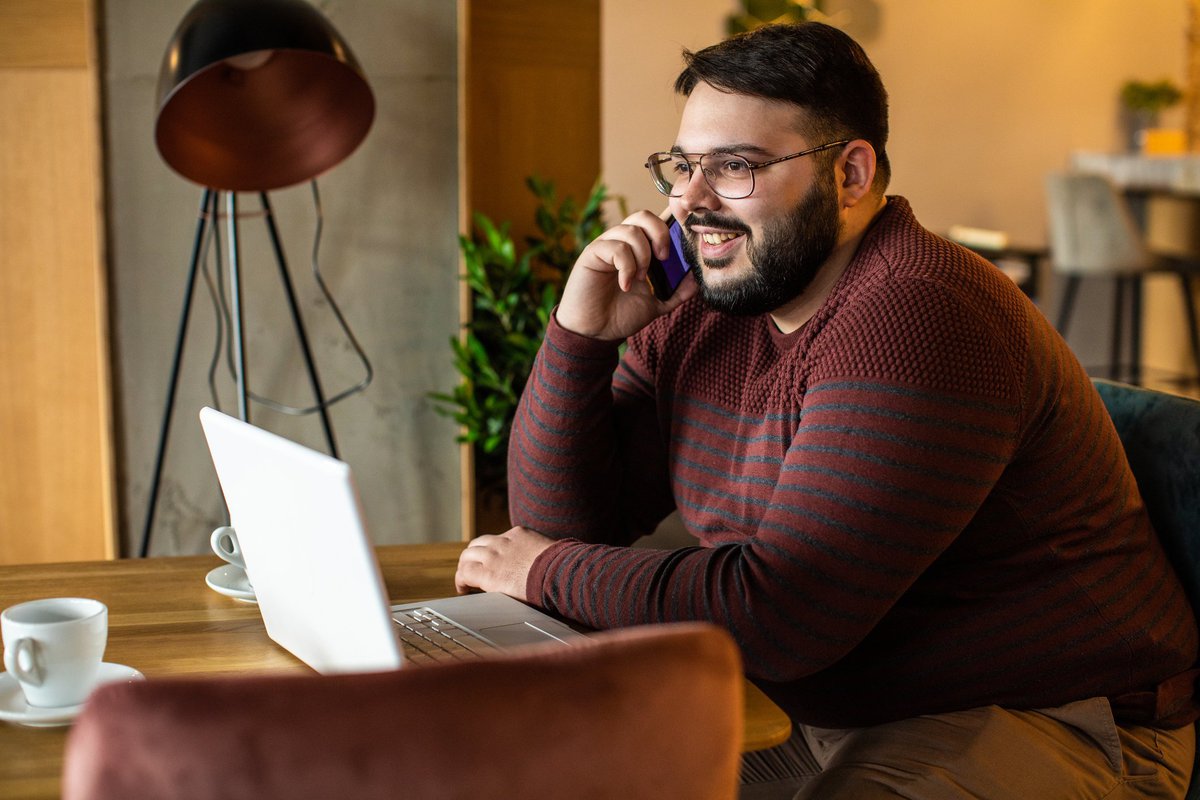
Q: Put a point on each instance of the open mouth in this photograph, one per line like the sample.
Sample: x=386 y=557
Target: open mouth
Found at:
x=716 y=246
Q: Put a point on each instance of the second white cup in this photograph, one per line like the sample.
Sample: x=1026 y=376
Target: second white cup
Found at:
x=225 y=544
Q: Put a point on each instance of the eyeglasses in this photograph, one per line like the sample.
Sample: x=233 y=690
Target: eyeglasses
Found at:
x=729 y=175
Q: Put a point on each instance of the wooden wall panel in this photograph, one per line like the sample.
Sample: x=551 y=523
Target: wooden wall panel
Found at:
x=529 y=73
x=532 y=87
x=55 y=433
x=44 y=33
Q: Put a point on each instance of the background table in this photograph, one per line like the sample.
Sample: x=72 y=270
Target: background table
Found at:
x=164 y=620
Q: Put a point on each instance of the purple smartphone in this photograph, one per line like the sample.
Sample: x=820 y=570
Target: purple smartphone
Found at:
x=664 y=276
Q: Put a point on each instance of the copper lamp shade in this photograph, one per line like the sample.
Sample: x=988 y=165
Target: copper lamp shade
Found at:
x=256 y=95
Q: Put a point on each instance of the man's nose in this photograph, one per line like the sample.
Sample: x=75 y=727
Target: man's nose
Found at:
x=698 y=195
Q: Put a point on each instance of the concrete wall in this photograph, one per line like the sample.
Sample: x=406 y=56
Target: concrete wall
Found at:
x=389 y=255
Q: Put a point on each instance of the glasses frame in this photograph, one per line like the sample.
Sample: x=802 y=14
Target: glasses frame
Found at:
x=753 y=166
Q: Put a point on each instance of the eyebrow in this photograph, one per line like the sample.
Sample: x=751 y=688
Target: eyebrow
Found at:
x=730 y=149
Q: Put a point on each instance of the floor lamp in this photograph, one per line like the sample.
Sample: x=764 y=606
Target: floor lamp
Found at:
x=253 y=96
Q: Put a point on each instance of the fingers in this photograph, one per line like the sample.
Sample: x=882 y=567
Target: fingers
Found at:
x=463 y=584
x=620 y=253
x=468 y=576
x=477 y=564
x=470 y=573
x=499 y=563
x=685 y=291
x=606 y=295
x=654 y=227
x=626 y=248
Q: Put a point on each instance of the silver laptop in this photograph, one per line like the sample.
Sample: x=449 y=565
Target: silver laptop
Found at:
x=300 y=525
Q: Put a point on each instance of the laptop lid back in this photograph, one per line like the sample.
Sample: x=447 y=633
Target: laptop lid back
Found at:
x=300 y=525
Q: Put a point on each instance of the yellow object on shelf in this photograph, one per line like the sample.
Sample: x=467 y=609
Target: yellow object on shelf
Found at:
x=1163 y=142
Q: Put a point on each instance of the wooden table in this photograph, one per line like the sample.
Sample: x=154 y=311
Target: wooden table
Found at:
x=164 y=620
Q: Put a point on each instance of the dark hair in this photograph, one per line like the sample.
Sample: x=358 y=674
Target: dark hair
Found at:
x=814 y=66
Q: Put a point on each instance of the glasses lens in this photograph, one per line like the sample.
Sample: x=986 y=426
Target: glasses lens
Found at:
x=729 y=176
x=670 y=173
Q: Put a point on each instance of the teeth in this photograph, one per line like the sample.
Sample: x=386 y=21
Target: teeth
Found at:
x=717 y=238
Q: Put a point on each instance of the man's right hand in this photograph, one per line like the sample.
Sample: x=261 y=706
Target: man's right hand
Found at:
x=607 y=295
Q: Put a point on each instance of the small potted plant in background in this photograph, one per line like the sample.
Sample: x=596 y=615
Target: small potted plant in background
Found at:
x=755 y=13
x=513 y=291
x=1143 y=102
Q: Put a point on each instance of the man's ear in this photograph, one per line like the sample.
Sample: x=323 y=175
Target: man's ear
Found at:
x=855 y=171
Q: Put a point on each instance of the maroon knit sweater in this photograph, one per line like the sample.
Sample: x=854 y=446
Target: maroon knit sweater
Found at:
x=916 y=503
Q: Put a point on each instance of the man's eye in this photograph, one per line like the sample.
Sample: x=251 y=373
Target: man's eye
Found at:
x=734 y=167
x=681 y=168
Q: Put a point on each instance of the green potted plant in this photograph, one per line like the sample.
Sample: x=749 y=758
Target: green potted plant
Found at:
x=513 y=292
x=1143 y=102
x=755 y=13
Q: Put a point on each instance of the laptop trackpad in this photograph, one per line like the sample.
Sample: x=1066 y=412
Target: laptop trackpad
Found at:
x=516 y=634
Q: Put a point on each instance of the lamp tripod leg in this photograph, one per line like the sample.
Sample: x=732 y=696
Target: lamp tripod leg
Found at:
x=298 y=322
x=208 y=216
x=235 y=294
x=207 y=212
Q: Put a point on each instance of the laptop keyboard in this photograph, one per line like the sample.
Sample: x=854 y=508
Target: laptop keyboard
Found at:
x=429 y=637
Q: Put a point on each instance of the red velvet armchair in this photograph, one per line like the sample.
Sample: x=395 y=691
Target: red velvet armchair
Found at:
x=639 y=713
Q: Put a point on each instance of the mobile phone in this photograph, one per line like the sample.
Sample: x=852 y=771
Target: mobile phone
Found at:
x=664 y=276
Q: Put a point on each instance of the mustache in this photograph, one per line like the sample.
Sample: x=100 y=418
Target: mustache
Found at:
x=716 y=221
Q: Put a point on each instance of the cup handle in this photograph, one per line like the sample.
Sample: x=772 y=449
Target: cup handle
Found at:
x=225 y=543
x=21 y=660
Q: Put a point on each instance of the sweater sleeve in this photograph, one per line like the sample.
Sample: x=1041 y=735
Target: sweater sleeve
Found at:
x=910 y=415
x=585 y=461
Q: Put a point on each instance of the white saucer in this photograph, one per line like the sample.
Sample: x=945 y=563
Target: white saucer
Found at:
x=13 y=707
x=231 y=582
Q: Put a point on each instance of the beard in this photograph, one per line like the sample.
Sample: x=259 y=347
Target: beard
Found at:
x=783 y=264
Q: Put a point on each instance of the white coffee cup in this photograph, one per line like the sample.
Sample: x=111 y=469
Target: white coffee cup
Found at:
x=53 y=647
x=225 y=543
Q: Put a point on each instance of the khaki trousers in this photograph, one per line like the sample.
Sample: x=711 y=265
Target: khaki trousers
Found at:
x=1073 y=751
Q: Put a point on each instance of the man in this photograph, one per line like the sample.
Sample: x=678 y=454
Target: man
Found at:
x=915 y=515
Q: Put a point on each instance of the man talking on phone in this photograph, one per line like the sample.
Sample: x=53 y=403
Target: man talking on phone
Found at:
x=914 y=514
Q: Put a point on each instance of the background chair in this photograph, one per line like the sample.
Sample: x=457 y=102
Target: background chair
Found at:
x=1094 y=233
x=639 y=713
x=1161 y=436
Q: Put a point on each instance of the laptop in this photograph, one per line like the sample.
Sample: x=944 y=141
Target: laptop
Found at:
x=302 y=533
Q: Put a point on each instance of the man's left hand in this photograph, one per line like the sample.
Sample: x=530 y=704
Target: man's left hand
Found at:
x=500 y=563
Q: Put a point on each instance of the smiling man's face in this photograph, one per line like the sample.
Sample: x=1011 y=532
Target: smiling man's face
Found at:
x=754 y=254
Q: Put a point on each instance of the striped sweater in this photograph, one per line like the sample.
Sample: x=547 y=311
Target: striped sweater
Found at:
x=915 y=503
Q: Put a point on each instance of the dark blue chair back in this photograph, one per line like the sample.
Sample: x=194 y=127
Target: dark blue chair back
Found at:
x=1161 y=436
